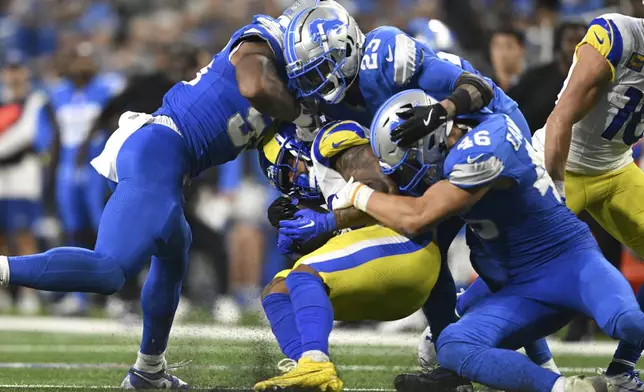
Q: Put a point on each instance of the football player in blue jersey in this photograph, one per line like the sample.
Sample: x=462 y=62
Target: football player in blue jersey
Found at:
x=330 y=60
x=524 y=241
x=202 y=123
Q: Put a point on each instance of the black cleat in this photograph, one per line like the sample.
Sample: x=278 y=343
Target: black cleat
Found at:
x=434 y=380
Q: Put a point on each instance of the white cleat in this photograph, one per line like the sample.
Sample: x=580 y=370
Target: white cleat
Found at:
x=578 y=384
x=427 y=351
x=625 y=382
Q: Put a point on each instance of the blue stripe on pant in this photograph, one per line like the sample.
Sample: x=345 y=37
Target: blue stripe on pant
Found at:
x=143 y=218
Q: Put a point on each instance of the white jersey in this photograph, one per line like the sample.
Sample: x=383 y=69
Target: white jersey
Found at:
x=601 y=141
x=22 y=180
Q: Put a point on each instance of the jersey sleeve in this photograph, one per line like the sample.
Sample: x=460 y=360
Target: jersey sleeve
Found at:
x=333 y=139
x=479 y=158
x=606 y=38
x=265 y=28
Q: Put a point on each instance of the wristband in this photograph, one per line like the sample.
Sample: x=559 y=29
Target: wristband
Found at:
x=331 y=224
x=360 y=196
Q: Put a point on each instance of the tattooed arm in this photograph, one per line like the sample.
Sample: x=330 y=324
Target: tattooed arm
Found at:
x=360 y=163
x=259 y=81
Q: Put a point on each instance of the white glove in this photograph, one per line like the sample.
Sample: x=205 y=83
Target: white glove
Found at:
x=307 y=124
x=353 y=194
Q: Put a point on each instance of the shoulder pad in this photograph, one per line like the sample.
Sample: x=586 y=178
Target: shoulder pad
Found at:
x=265 y=28
x=605 y=37
x=336 y=137
x=477 y=158
x=399 y=54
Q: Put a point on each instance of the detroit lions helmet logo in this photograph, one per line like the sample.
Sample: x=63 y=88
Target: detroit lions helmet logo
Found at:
x=323 y=27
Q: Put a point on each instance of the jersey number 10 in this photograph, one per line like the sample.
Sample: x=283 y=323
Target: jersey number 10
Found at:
x=630 y=136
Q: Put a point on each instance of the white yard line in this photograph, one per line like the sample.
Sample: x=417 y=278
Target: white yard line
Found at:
x=82 y=326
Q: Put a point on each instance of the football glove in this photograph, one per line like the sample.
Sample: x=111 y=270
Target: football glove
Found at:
x=307 y=225
x=283 y=208
x=420 y=121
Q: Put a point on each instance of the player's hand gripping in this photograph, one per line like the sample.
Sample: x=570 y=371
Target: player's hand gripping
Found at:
x=307 y=224
x=419 y=122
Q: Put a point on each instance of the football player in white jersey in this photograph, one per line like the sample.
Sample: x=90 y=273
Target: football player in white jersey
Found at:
x=588 y=139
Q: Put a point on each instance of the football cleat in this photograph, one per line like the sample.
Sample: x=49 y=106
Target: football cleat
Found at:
x=624 y=382
x=435 y=380
x=306 y=376
x=585 y=384
x=137 y=379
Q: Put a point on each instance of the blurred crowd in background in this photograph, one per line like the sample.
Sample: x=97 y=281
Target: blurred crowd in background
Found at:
x=71 y=67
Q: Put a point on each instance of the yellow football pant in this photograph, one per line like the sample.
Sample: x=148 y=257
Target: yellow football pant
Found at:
x=615 y=200
x=374 y=273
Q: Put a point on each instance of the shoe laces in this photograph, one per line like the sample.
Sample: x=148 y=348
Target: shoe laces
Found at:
x=178 y=365
x=286 y=365
x=634 y=376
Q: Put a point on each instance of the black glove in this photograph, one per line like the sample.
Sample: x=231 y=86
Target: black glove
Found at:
x=420 y=121
x=281 y=209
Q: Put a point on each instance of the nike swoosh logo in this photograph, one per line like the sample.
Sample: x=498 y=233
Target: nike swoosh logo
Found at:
x=601 y=41
x=429 y=116
x=310 y=224
x=474 y=159
x=390 y=58
x=336 y=145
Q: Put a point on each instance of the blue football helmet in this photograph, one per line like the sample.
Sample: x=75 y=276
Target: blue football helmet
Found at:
x=323 y=49
x=416 y=168
x=281 y=156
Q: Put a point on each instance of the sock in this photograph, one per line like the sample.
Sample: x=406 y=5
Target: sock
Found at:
x=4 y=271
x=159 y=301
x=316 y=356
x=538 y=351
x=313 y=310
x=560 y=385
x=552 y=366
x=150 y=363
x=248 y=297
x=620 y=366
x=67 y=269
x=626 y=355
x=279 y=312
x=439 y=307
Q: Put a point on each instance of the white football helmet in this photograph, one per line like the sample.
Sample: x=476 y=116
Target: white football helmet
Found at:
x=419 y=166
x=323 y=48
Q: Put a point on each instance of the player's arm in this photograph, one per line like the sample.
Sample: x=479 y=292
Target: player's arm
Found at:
x=591 y=75
x=360 y=163
x=259 y=81
x=412 y=65
x=411 y=216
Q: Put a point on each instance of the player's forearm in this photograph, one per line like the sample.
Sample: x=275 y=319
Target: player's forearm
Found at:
x=401 y=213
x=472 y=93
x=260 y=83
x=352 y=217
x=557 y=144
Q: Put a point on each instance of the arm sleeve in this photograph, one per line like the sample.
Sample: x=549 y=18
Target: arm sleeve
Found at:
x=605 y=37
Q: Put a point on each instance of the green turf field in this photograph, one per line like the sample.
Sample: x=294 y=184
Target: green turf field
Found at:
x=37 y=361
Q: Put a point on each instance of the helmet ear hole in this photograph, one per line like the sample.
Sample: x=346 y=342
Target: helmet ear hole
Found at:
x=348 y=50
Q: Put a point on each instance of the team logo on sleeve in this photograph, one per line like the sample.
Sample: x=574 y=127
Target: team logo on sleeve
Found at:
x=635 y=62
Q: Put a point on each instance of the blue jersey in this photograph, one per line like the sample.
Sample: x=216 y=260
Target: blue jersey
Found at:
x=215 y=120
x=523 y=222
x=393 y=62
x=76 y=109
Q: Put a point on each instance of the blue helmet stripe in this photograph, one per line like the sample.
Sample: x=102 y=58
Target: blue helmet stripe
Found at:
x=289 y=45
